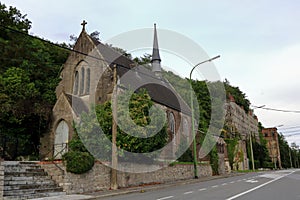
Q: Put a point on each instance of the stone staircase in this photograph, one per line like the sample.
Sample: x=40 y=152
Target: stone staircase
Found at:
x=27 y=180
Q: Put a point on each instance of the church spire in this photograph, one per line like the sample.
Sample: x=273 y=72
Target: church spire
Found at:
x=155 y=61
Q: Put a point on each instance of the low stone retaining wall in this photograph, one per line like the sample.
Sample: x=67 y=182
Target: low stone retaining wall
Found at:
x=1 y=180
x=99 y=177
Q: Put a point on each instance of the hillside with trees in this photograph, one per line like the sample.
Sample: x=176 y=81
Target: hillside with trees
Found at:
x=30 y=72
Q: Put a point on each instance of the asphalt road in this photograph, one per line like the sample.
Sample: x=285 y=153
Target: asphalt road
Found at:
x=272 y=185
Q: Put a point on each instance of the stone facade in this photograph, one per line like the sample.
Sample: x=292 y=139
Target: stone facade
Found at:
x=271 y=135
x=240 y=124
x=98 y=178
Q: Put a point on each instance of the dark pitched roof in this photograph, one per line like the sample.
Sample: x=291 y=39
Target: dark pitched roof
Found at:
x=160 y=90
x=77 y=104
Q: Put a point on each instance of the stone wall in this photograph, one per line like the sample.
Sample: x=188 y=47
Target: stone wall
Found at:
x=1 y=180
x=99 y=177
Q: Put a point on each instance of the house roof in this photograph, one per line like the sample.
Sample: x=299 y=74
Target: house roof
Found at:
x=160 y=90
x=77 y=104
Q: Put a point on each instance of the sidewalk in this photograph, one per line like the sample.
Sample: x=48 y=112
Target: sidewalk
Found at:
x=107 y=193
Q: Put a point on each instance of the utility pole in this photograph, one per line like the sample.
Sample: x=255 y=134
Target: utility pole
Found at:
x=290 y=157
x=252 y=156
x=114 y=156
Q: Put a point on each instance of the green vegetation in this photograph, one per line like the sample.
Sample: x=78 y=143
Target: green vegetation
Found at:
x=78 y=160
x=239 y=96
x=139 y=107
x=231 y=149
x=29 y=75
x=187 y=156
x=214 y=160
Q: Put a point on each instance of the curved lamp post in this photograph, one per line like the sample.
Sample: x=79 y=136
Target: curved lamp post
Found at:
x=192 y=109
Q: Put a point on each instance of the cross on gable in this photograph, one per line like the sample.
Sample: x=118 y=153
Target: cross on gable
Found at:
x=83 y=24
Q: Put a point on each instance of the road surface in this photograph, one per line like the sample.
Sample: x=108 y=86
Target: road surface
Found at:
x=272 y=185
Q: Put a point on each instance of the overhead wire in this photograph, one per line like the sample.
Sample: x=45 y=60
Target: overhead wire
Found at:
x=278 y=110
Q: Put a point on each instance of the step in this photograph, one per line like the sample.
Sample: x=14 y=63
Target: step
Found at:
x=22 y=192
x=20 y=174
x=33 y=177
x=33 y=185
x=34 y=196
x=26 y=180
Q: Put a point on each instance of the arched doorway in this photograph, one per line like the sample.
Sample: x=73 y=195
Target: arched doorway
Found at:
x=61 y=139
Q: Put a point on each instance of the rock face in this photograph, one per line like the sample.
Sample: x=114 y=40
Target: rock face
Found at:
x=26 y=180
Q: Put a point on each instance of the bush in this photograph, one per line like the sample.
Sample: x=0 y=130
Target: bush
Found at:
x=78 y=162
x=187 y=156
x=269 y=165
x=214 y=160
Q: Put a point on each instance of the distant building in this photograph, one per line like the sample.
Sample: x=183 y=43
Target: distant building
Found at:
x=271 y=135
x=240 y=123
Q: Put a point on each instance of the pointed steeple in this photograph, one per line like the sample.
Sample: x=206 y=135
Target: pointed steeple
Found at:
x=155 y=61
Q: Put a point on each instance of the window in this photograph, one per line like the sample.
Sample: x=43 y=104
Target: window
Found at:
x=88 y=81
x=172 y=127
x=186 y=131
x=82 y=79
x=172 y=123
x=76 y=83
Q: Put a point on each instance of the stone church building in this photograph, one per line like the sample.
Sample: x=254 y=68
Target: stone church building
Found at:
x=87 y=78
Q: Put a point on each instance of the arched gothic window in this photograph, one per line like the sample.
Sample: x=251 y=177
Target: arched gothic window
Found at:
x=82 y=81
x=76 y=84
x=172 y=127
x=88 y=81
x=172 y=123
x=186 y=130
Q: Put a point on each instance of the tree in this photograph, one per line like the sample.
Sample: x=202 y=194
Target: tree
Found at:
x=139 y=110
x=284 y=151
x=239 y=96
x=30 y=73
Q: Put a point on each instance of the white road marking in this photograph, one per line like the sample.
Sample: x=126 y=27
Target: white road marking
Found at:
x=202 y=189
x=224 y=184
x=257 y=187
x=252 y=181
x=215 y=186
x=232 y=182
x=163 y=198
x=239 y=180
x=190 y=192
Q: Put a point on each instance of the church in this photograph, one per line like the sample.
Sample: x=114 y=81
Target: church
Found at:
x=87 y=78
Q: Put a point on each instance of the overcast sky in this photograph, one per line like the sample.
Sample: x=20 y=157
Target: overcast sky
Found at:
x=259 y=41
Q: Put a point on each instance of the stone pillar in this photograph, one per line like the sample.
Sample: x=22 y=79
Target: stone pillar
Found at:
x=1 y=180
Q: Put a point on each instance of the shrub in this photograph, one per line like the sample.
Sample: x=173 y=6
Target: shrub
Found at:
x=78 y=162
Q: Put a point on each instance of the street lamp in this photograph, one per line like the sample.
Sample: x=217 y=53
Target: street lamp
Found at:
x=192 y=108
